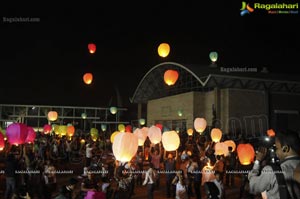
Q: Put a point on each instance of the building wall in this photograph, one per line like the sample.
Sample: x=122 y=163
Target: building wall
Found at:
x=247 y=113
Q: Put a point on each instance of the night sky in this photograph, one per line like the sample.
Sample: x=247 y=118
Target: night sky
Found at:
x=43 y=62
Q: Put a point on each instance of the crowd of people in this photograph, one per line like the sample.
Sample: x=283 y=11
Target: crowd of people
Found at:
x=183 y=170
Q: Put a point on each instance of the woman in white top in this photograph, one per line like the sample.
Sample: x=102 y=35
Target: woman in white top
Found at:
x=181 y=189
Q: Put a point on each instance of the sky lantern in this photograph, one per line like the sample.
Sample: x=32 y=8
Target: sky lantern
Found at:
x=16 y=133
x=216 y=134
x=30 y=135
x=122 y=150
x=62 y=130
x=246 y=153
x=170 y=77
x=52 y=115
x=271 y=133
x=140 y=135
x=2 y=142
x=70 y=130
x=170 y=140
x=163 y=50
x=88 y=78
x=128 y=128
x=103 y=127
x=113 y=110
x=230 y=143
x=92 y=48
x=94 y=134
x=213 y=56
x=142 y=121
x=154 y=134
x=190 y=131
x=83 y=116
x=121 y=127
x=221 y=149
x=112 y=137
x=47 y=128
x=200 y=124
x=160 y=126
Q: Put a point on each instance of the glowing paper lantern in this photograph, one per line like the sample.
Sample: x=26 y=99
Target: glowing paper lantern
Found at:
x=16 y=133
x=121 y=127
x=163 y=50
x=88 y=78
x=113 y=110
x=221 y=149
x=170 y=77
x=30 y=135
x=190 y=132
x=230 y=143
x=94 y=133
x=142 y=121
x=170 y=140
x=213 y=56
x=200 y=124
x=103 y=127
x=179 y=112
x=216 y=134
x=125 y=146
x=128 y=128
x=47 y=128
x=92 y=48
x=141 y=136
x=271 y=133
x=112 y=137
x=83 y=115
x=2 y=142
x=160 y=126
x=154 y=134
x=245 y=153
x=70 y=131
x=52 y=115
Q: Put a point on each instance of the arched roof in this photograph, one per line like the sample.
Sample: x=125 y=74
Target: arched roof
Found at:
x=205 y=78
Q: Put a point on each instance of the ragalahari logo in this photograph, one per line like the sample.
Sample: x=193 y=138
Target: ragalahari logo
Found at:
x=246 y=9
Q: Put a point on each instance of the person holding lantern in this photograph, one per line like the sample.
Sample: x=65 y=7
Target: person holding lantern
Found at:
x=287 y=151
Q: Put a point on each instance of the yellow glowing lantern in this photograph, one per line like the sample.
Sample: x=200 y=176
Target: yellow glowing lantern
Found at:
x=190 y=132
x=200 y=124
x=94 y=134
x=154 y=134
x=121 y=127
x=112 y=137
x=230 y=143
x=125 y=146
x=88 y=78
x=113 y=110
x=170 y=140
x=171 y=77
x=246 y=153
x=52 y=115
x=163 y=50
x=216 y=134
x=62 y=130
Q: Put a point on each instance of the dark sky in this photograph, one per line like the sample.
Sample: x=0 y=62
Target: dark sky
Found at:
x=43 y=62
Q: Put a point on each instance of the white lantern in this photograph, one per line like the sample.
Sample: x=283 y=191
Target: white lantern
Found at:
x=141 y=135
x=200 y=124
x=221 y=148
x=170 y=140
x=125 y=146
x=154 y=134
x=113 y=110
x=216 y=134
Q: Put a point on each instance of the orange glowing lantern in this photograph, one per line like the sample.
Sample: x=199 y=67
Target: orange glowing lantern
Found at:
x=216 y=135
x=163 y=50
x=154 y=134
x=122 y=150
x=221 y=149
x=70 y=131
x=271 y=133
x=230 y=143
x=170 y=140
x=245 y=153
x=88 y=78
x=52 y=115
x=2 y=142
x=92 y=48
x=200 y=124
x=190 y=132
x=170 y=77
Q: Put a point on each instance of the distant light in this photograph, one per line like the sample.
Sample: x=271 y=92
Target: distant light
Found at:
x=142 y=121
x=92 y=48
x=179 y=112
x=83 y=115
x=213 y=56
x=33 y=108
x=113 y=110
x=163 y=50
x=88 y=78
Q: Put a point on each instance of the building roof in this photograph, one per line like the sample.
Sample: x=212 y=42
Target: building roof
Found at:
x=205 y=78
